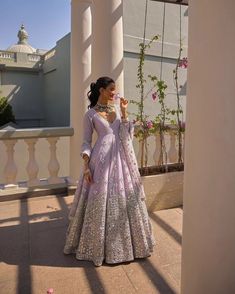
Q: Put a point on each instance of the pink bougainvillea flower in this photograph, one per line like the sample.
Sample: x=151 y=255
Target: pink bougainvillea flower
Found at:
x=149 y=124
x=50 y=291
x=154 y=96
x=183 y=63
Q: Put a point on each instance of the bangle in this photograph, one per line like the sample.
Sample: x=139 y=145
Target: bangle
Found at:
x=86 y=158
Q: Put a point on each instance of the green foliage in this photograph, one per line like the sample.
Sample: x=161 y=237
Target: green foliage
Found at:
x=140 y=75
x=179 y=111
x=167 y=116
x=6 y=113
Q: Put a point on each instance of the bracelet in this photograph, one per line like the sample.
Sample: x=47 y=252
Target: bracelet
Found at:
x=86 y=159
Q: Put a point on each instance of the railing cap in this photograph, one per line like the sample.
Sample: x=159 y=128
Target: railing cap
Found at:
x=12 y=133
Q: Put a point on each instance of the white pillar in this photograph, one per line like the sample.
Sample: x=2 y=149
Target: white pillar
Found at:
x=208 y=261
x=80 y=77
x=107 y=49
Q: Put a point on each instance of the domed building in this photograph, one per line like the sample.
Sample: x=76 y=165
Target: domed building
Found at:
x=22 y=46
x=36 y=82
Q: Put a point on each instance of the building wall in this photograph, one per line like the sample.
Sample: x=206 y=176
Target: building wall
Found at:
x=56 y=84
x=134 y=16
x=24 y=92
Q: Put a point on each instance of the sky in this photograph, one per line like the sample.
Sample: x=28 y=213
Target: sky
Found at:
x=46 y=21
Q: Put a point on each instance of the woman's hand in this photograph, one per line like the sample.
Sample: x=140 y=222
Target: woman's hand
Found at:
x=123 y=107
x=88 y=175
x=87 y=171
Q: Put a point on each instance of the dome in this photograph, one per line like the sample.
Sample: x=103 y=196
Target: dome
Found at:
x=22 y=45
x=24 y=48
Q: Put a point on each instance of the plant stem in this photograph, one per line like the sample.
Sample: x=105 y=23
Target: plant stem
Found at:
x=179 y=133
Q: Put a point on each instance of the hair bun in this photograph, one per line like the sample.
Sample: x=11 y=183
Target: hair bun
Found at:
x=92 y=86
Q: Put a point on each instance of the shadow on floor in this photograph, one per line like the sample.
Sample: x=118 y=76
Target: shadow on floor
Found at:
x=39 y=240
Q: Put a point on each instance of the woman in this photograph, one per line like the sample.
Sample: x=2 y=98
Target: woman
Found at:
x=108 y=218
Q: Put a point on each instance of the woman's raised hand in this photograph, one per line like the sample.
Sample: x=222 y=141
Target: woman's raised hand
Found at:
x=123 y=107
x=123 y=104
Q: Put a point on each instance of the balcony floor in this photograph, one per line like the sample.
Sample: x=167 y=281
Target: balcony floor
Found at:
x=32 y=233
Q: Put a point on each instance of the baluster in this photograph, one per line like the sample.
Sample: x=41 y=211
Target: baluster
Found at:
x=138 y=152
x=53 y=165
x=172 y=153
x=183 y=145
x=157 y=152
x=10 y=170
x=32 y=166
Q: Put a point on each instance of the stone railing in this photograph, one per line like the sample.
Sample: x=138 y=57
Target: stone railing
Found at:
x=49 y=54
x=26 y=140
x=153 y=148
x=7 y=55
x=38 y=157
x=34 y=57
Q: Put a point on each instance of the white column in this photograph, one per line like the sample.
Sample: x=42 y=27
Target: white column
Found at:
x=80 y=78
x=107 y=49
x=208 y=262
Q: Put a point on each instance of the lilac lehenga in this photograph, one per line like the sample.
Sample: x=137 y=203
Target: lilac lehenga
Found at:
x=108 y=218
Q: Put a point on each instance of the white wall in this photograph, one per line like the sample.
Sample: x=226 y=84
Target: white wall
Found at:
x=24 y=92
x=134 y=13
x=56 y=85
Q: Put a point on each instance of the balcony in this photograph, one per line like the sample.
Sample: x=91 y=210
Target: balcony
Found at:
x=35 y=162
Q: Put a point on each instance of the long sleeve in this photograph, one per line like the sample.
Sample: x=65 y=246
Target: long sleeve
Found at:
x=127 y=129
x=87 y=135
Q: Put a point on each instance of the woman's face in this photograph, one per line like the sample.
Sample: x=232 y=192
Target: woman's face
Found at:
x=109 y=92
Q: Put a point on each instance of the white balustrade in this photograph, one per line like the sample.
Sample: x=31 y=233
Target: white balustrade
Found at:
x=7 y=55
x=49 y=54
x=154 y=150
x=10 y=169
x=32 y=166
x=34 y=57
x=31 y=136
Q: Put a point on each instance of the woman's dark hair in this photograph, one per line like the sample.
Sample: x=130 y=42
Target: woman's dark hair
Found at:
x=94 y=93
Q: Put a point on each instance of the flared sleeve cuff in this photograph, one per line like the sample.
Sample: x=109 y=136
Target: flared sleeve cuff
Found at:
x=126 y=129
x=86 y=149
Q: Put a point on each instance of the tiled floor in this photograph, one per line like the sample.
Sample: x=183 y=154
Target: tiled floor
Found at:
x=32 y=234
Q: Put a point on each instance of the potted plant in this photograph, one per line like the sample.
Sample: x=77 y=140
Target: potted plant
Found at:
x=163 y=182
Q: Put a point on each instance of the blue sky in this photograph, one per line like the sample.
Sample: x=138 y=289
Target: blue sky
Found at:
x=46 y=21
